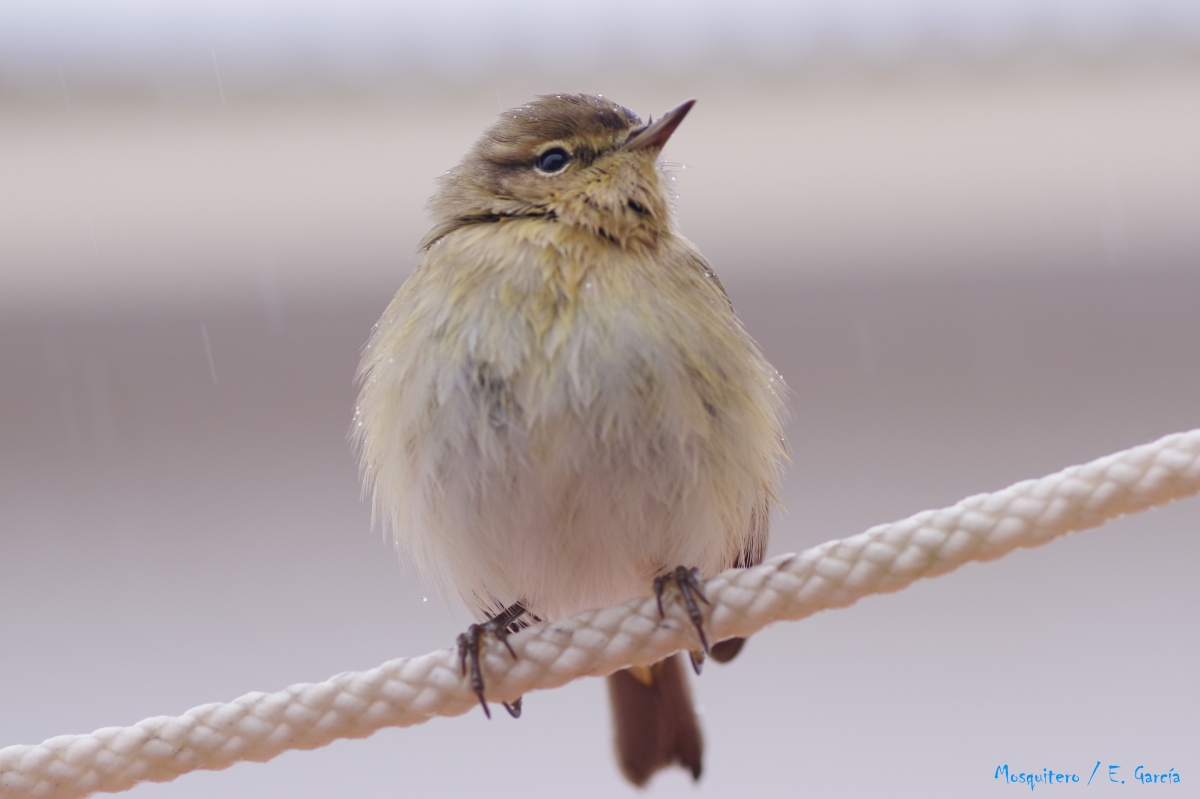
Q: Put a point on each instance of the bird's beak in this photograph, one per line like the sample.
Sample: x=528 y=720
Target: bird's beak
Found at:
x=655 y=135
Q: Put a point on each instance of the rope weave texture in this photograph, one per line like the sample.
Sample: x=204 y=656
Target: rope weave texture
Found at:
x=259 y=726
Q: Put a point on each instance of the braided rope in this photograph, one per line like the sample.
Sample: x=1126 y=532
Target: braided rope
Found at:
x=406 y=691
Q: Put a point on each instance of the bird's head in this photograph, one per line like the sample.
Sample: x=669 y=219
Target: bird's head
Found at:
x=573 y=159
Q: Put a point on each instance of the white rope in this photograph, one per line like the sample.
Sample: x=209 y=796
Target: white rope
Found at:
x=406 y=691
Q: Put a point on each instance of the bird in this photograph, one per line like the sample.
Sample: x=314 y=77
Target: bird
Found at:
x=560 y=409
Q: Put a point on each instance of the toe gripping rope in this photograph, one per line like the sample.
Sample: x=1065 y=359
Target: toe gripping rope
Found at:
x=406 y=691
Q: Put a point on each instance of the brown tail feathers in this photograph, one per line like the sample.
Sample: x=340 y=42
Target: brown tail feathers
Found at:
x=655 y=723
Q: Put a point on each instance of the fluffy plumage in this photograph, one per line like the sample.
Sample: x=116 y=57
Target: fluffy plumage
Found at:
x=560 y=403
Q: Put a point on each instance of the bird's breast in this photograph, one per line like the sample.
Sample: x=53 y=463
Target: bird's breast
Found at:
x=539 y=329
x=559 y=424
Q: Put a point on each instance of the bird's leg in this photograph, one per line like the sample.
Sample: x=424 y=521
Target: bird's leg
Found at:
x=468 y=651
x=690 y=586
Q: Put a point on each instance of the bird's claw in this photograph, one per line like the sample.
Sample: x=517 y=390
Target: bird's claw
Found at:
x=690 y=586
x=468 y=654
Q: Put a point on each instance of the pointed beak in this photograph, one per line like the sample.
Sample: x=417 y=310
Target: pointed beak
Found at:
x=655 y=135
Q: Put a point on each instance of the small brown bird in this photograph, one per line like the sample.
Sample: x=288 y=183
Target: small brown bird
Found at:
x=560 y=410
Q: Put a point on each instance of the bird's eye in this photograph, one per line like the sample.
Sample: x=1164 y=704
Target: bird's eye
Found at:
x=553 y=160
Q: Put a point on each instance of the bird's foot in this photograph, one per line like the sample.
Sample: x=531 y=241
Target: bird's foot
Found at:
x=725 y=651
x=690 y=587
x=468 y=652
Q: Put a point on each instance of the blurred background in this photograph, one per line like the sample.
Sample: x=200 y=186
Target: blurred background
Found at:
x=966 y=233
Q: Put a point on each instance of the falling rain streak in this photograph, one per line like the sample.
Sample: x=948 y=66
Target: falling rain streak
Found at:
x=212 y=366
x=66 y=94
x=220 y=84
